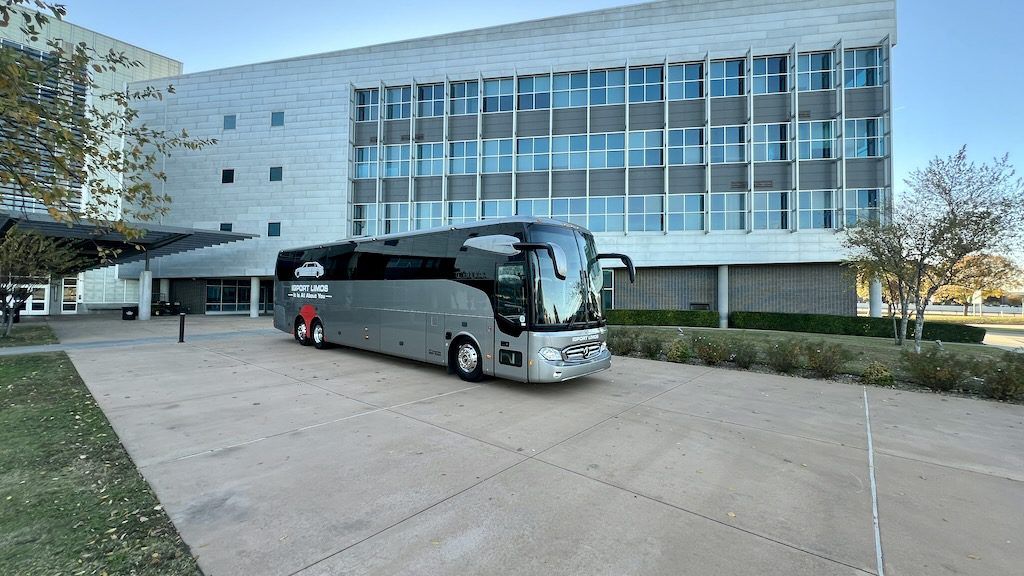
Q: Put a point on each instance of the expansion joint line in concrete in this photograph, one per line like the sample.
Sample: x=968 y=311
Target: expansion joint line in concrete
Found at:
x=879 y=558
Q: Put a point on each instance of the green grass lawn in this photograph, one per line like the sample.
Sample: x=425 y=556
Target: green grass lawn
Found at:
x=71 y=500
x=29 y=334
x=1007 y=320
x=864 y=350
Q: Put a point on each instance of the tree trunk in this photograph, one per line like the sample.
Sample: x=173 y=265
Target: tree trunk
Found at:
x=966 y=304
x=895 y=329
x=8 y=323
x=918 y=329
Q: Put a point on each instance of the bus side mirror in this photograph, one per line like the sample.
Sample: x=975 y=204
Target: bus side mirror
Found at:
x=554 y=251
x=625 y=260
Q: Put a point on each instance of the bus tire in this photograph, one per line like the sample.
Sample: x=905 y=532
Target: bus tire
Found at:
x=301 y=334
x=466 y=360
x=318 y=335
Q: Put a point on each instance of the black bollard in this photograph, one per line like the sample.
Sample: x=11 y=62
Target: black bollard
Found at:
x=181 y=328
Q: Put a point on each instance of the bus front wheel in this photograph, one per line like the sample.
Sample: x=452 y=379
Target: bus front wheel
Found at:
x=466 y=360
x=301 y=332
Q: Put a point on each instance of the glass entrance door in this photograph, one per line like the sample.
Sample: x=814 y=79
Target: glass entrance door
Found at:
x=38 y=304
x=69 y=296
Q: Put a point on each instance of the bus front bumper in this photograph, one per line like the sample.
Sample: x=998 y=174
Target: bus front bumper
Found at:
x=543 y=371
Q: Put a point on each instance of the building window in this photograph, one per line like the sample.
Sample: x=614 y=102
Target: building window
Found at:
x=364 y=219
x=535 y=92
x=862 y=67
x=396 y=217
x=229 y=121
x=607 y=289
x=532 y=154
x=226 y=226
x=430 y=100
x=729 y=211
x=430 y=159
x=367 y=105
x=817 y=140
x=396 y=160
x=461 y=211
x=816 y=209
x=686 y=81
x=727 y=78
x=533 y=207
x=573 y=210
x=771 y=210
x=607 y=87
x=273 y=228
x=397 y=102
x=492 y=209
x=366 y=162
x=276 y=173
x=645 y=147
x=427 y=215
x=771 y=142
x=686 y=212
x=569 y=152
x=497 y=156
x=863 y=205
x=498 y=95
x=607 y=214
x=728 y=144
x=645 y=84
x=865 y=138
x=465 y=98
x=686 y=146
x=462 y=157
x=227 y=295
x=771 y=75
x=569 y=90
x=227 y=176
x=646 y=213
x=814 y=71
x=277 y=118
x=608 y=150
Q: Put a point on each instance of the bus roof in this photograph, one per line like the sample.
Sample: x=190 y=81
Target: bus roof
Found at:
x=465 y=226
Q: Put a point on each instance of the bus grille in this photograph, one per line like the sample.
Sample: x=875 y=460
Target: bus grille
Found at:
x=581 y=351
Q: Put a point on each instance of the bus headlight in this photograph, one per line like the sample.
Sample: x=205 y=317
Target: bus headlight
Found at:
x=551 y=354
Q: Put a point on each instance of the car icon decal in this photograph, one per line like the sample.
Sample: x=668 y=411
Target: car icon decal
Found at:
x=309 y=270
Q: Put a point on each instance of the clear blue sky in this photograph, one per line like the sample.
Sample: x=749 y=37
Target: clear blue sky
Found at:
x=956 y=67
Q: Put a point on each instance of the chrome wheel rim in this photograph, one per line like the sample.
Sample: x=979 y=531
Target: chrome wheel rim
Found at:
x=300 y=331
x=318 y=334
x=467 y=358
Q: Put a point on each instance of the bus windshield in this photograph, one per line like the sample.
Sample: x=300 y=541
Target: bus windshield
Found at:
x=576 y=301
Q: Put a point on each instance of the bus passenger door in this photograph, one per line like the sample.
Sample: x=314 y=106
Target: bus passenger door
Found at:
x=511 y=339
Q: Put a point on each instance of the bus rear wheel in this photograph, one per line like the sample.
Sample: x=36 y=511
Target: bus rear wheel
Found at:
x=301 y=333
x=466 y=360
x=319 y=336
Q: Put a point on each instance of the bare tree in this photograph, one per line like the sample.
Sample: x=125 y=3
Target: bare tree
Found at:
x=981 y=273
x=951 y=210
x=28 y=258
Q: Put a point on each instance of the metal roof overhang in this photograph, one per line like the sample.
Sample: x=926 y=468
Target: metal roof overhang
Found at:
x=88 y=239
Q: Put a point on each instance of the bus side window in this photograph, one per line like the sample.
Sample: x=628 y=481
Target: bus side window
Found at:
x=510 y=290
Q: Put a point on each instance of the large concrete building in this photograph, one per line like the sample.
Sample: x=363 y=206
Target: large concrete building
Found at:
x=724 y=145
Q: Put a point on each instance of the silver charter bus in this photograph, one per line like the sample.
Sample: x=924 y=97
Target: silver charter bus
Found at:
x=517 y=298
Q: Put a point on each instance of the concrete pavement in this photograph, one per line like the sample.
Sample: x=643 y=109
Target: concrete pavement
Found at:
x=1008 y=336
x=272 y=458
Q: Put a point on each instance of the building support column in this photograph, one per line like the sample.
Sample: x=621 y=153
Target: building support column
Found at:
x=254 y=297
x=875 y=298
x=165 y=290
x=145 y=293
x=723 y=296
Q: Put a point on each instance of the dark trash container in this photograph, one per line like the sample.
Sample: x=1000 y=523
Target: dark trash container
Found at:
x=129 y=312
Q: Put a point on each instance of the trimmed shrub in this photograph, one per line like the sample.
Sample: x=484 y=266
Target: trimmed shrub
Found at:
x=824 y=359
x=877 y=374
x=937 y=369
x=705 y=318
x=650 y=346
x=711 y=351
x=678 y=351
x=1004 y=378
x=744 y=354
x=852 y=326
x=623 y=342
x=783 y=356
